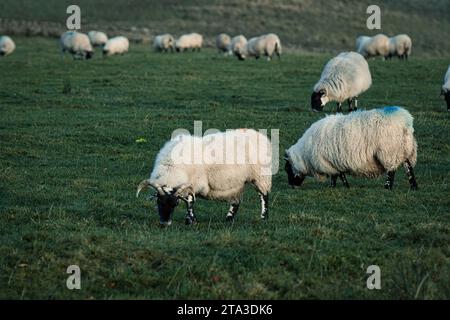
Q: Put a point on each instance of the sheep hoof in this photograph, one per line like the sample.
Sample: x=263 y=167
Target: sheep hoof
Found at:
x=229 y=218
x=190 y=221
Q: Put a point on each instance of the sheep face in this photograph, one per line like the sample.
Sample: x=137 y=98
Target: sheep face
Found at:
x=166 y=205
x=318 y=100
x=2 y=53
x=89 y=55
x=447 y=98
x=293 y=180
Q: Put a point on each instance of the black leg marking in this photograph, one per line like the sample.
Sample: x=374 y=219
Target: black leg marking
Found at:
x=344 y=180
x=389 y=180
x=264 y=206
x=410 y=174
x=333 y=181
x=232 y=211
x=350 y=102
x=339 y=107
x=190 y=214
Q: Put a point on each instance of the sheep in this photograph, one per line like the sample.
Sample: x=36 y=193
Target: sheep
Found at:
x=265 y=45
x=77 y=44
x=182 y=173
x=237 y=45
x=97 y=38
x=116 y=45
x=344 y=77
x=446 y=88
x=400 y=46
x=7 y=46
x=223 y=43
x=189 y=41
x=370 y=47
x=163 y=42
x=362 y=143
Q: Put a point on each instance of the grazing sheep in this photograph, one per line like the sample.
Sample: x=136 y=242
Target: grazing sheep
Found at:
x=400 y=46
x=362 y=143
x=370 y=47
x=265 y=45
x=97 y=38
x=7 y=46
x=77 y=44
x=189 y=41
x=446 y=88
x=344 y=77
x=237 y=45
x=163 y=42
x=116 y=45
x=185 y=168
x=223 y=43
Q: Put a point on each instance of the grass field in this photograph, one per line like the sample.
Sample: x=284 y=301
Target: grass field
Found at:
x=70 y=164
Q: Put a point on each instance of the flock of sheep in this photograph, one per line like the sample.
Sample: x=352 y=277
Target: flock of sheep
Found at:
x=362 y=143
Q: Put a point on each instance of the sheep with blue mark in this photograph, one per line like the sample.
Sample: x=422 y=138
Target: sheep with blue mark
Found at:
x=362 y=143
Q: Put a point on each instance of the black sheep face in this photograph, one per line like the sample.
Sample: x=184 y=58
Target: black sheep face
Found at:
x=293 y=180
x=166 y=206
x=318 y=100
x=447 y=98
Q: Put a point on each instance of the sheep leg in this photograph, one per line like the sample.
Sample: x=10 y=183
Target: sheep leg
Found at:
x=232 y=211
x=333 y=181
x=264 y=206
x=350 y=108
x=410 y=174
x=390 y=180
x=344 y=180
x=190 y=214
x=339 y=107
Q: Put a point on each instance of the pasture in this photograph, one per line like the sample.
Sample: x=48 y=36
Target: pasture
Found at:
x=70 y=164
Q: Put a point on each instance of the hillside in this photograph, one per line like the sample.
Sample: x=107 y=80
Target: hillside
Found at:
x=309 y=25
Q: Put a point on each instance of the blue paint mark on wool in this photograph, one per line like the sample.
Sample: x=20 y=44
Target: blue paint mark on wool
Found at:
x=390 y=110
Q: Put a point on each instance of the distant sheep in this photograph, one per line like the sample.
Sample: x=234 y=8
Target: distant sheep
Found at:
x=400 y=46
x=362 y=143
x=116 y=45
x=265 y=45
x=375 y=46
x=446 y=88
x=237 y=45
x=164 y=43
x=189 y=41
x=97 y=38
x=182 y=173
x=7 y=46
x=77 y=44
x=344 y=77
x=223 y=43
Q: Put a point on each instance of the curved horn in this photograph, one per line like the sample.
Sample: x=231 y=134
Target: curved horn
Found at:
x=145 y=184
x=181 y=189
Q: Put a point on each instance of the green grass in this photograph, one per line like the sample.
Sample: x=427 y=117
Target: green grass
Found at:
x=69 y=167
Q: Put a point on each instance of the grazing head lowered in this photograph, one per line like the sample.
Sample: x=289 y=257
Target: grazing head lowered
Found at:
x=318 y=100
x=167 y=199
x=294 y=180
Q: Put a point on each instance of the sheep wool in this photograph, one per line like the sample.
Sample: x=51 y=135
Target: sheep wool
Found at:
x=370 y=47
x=116 y=45
x=237 y=45
x=400 y=46
x=223 y=42
x=7 y=46
x=77 y=44
x=216 y=166
x=97 y=38
x=362 y=143
x=265 y=45
x=344 y=77
x=189 y=41
x=163 y=42
x=446 y=88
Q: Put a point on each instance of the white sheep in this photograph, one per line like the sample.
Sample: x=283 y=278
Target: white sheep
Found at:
x=265 y=45
x=400 y=46
x=77 y=44
x=189 y=41
x=97 y=38
x=7 y=46
x=344 y=77
x=116 y=45
x=362 y=143
x=164 y=42
x=237 y=45
x=446 y=88
x=370 y=47
x=223 y=42
x=216 y=166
